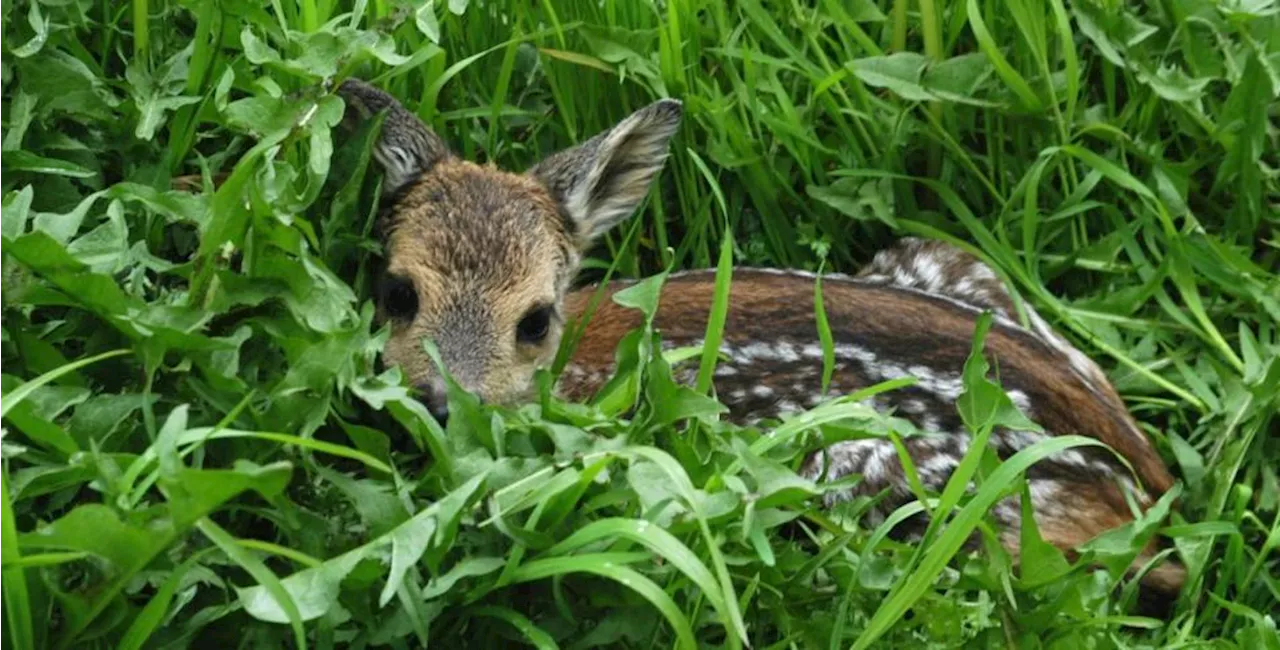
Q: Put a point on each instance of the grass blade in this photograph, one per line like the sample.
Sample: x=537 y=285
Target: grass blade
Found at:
x=715 y=321
x=535 y=635
x=955 y=533
x=17 y=603
x=608 y=566
x=268 y=580
x=22 y=392
x=150 y=617
x=657 y=540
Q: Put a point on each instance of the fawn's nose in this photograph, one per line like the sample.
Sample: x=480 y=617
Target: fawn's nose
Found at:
x=436 y=398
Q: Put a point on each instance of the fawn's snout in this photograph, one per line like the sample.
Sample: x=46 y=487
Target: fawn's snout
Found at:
x=435 y=396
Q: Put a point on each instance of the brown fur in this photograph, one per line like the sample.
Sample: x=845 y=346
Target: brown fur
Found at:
x=917 y=329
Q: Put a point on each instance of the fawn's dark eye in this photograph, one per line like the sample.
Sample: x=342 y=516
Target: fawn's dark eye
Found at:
x=398 y=297
x=534 y=326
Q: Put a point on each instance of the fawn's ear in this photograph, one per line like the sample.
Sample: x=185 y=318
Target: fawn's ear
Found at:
x=406 y=148
x=601 y=181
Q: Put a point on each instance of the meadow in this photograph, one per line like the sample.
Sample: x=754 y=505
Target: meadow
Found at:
x=200 y=449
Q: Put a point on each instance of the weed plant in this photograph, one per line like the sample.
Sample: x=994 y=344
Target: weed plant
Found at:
x=200 y=449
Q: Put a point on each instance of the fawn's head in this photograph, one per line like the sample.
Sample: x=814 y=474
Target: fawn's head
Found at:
x=479 y=259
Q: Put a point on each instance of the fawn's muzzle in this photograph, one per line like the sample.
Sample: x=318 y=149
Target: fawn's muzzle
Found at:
x=436 y=398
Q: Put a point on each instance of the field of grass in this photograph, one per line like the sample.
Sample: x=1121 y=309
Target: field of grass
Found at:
x=200 y=451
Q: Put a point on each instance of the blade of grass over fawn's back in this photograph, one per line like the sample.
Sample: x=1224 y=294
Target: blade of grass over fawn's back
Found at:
x=204 y=444
x=17 y=599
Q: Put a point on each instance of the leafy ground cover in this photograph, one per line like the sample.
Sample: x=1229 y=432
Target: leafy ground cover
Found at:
x=201 y=451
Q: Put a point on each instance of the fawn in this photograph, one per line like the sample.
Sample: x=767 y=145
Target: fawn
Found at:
x=480 y=260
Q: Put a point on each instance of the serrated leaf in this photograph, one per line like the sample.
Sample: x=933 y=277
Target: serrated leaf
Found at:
x=26 y=161
x=316 y=590
x=861 y=199
x=98 y=530
x=643 y=295
x=16 y=396
x=427 y=23
x=21 y=114
x=983 y=403
x=62 y=227
x=65 y=83
x=17 y=207
x=193 y=493
x=255 y=49
x=105 y=249
x=40 y=25
x=670 y=402
x=429 y=534
x=776 y=484
x=899 y=72
x=152 y=111
x=865 y=11
x=957 y=78
x=471 y=567
x=578 y=59
x=1171 y=83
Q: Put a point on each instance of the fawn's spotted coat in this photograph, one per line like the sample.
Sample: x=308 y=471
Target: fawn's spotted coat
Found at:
x=481 y=261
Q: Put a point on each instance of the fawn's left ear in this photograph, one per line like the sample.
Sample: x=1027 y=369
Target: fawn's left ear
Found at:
x=601 y=181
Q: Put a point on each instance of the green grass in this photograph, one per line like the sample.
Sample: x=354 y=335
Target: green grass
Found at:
x=242 y=476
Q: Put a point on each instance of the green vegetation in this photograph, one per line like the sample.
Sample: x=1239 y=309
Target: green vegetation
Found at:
x=200 y=451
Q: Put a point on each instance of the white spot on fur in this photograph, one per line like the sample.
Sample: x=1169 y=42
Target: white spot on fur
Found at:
x=877 y=467
x=1020 y=400
x=724 y=370
x=1016 y=440
x=855 y=353
x=928 y=271
x=1045 y=495
x=1007 y=512
x=981 y=271
x=901 y=277
x=787 y=352
x=936 y=469
x=758 y=350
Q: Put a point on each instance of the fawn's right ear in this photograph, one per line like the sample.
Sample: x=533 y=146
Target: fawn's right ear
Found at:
x=406 y=148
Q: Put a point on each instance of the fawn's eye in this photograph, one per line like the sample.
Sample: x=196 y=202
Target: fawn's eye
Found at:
x=533 y=327
x=398 y=297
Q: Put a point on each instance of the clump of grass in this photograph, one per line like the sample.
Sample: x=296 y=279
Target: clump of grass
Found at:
x=199 y=449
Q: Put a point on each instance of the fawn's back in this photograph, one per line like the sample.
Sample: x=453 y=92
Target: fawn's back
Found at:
x=481 y=261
